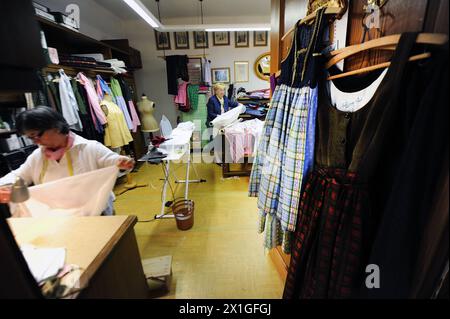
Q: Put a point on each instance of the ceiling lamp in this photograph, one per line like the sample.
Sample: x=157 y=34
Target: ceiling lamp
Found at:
x=237 y=29
x=143 y=12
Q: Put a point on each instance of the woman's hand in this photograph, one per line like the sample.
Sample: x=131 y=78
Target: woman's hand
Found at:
x=125 y=163
x=5 y=194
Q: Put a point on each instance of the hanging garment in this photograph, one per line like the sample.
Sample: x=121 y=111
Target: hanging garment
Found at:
x=69 y=106
x=279 y=167
x=98 y=117
x=67 y=196
x=192 y=96
x=117 y=93
x=181 y=97
x=206 y=67
x=116 y=132
x=53 y=93
x=89 y=131
x=411 y=244
x=128 y=96
x=102 y=88
x=176 y=66
x=356 y=155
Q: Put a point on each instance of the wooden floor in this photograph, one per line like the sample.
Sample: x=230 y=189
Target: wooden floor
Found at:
x=222 y=256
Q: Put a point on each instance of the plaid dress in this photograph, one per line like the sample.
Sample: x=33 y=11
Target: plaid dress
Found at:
x=327 y=250
x=283 y=158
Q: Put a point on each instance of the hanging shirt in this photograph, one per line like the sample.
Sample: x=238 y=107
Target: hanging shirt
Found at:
x=127 y=95
x=206 y=71
x=98 y=117
x=69 y=106
x=120 y=101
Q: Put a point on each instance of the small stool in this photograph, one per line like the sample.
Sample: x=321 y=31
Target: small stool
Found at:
x=158 y=272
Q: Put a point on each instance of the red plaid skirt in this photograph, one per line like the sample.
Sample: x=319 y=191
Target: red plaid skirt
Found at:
x=327 y=254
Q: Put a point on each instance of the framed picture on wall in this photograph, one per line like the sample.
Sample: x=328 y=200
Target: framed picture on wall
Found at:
x=241 y=39
x=220 y=75
x=181 y=40
x=240 y=71
x=200 y=39
x=221 y=38
x=260 y=38
x=162 y=40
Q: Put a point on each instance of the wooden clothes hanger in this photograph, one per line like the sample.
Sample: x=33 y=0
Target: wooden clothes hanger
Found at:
x=337 y=11
x=385 y=43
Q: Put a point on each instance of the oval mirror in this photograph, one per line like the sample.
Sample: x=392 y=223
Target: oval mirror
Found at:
x=262 y=66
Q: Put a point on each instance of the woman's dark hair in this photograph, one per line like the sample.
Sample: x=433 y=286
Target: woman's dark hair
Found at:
x=41 y=118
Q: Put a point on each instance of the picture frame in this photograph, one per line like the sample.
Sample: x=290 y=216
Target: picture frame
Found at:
x=260 y=38
x=201 y=39
x=162 y=40
x=221 y=38
x=220 y=75
x=181 y=40
x=241 y=39
x=241 y=71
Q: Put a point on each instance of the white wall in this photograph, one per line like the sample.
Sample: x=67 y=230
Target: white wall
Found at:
x=152 y=79
x=95 y=21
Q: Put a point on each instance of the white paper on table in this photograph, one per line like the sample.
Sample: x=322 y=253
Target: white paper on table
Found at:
x=44 y=262
x=80 y=195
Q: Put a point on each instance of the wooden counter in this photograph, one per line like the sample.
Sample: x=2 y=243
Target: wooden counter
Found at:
x=104 y=246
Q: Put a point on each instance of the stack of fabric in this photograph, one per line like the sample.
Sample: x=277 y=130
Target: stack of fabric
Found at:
x=243 y=138
x=117 y=65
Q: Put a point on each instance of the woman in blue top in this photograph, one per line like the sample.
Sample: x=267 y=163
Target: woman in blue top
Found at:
x=218 y=103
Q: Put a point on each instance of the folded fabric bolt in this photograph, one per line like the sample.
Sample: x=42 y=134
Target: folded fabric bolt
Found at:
x=80 y=195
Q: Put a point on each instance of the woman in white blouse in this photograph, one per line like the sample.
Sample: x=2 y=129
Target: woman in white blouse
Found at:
x=61 y=153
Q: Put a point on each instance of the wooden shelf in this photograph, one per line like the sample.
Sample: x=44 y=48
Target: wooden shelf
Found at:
x=71 y=70
x=73 y=41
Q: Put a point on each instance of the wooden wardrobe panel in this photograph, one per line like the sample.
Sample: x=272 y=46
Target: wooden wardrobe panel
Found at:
x=276 y=32
x=397 y=17
x=294 y=10
x=437 y=17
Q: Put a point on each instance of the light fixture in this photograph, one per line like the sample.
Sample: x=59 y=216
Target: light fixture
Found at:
x=237 y=29
x=143 y=12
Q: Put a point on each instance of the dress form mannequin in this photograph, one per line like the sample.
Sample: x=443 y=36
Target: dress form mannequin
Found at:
x=146 y=108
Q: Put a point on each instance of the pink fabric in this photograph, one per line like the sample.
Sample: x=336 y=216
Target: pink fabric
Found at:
x=134 y=116
x=56 y=155
x=182 y=94
x=94 y=102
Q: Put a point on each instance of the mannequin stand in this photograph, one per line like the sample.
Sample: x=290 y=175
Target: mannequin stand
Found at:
x=130 y=184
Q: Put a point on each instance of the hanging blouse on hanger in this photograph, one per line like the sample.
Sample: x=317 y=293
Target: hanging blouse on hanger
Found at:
x=69 y=106
x=98 y=117
x=120 y=101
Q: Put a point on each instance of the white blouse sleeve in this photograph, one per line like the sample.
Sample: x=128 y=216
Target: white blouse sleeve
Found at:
x=104 y=156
